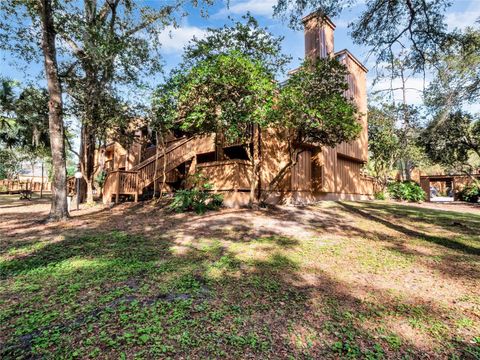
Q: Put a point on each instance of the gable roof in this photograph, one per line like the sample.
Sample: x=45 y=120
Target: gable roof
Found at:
x=349 y=54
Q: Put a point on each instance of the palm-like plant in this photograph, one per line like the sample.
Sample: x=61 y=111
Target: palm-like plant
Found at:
x=7 y=104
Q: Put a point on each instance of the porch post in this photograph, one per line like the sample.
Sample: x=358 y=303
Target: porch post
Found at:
x=117 y=194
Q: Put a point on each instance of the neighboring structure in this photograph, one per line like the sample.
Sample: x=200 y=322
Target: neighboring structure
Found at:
x=320 y=173
x=446 y=184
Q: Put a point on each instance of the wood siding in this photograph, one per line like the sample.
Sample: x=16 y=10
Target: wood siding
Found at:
x=319 y=39
x=227 y=175
x=302 y=172
x=357 y=91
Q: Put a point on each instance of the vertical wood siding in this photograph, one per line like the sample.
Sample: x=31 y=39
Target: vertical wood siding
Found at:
x=350 y=179
x=357 y=91
x=302 y=172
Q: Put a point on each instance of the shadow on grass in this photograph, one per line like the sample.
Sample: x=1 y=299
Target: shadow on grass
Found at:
x=443 y=241
x=263 y=312
x=110 y=292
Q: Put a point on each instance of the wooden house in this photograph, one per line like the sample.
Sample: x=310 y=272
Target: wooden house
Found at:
x=320 y=173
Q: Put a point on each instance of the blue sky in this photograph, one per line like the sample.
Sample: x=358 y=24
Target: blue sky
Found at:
x=461 y=14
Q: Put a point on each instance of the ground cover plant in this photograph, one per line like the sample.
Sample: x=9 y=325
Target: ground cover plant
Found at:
x=335 y=280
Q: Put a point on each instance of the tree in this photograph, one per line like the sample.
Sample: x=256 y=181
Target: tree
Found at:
x=111 y=43
x=246 y=37
x=39 y=16
x=10 y=163
x=452 y=141
x=313 y=109
x=104 y=46
x=457 y=73
x=232 y=95
x=59 y=209
x=31 y=110
x=383 y=142
x=384 y=25
x=7 y=103
x=164 y=118
x=242 y=45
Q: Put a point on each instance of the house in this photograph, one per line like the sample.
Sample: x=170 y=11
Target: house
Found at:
x=320 y=173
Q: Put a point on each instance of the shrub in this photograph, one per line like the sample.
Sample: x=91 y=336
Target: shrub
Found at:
x=379 y=195
x=407 y=190
x=198 y=198
x=470 y=193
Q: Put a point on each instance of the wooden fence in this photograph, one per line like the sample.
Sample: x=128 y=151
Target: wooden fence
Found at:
x=16 y=186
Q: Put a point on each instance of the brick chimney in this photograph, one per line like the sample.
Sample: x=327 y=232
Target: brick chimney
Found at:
x=319 y=31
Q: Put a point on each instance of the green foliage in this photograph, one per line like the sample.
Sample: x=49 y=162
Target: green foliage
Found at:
x=7 y=103
x=457 y=76
x=451 y=140
x=379 y=195
x=383 y=141
x=199 y=198
x=100 y=179
x=406 y=190
x=313 y=106
x=10 y=163
x=470 y=193
x=24 y=117
x=247 y=38
x=164 y=105
x=226 y=93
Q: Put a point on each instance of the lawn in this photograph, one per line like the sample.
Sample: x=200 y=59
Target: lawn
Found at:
x=359 y=280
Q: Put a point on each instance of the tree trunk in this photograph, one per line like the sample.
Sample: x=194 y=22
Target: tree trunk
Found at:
x=254 y=157
x=293 y=152
x=87 y=153
x=59 y=209
x=41 y=185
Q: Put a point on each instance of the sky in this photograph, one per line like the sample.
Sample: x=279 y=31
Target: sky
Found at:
x=462 y=13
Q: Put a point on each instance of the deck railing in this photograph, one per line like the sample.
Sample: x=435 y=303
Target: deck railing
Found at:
x=150 y=170
x=15 y=186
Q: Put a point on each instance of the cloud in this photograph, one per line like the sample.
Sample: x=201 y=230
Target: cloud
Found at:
x=465 y=18
x=413 y=92
x=174 y=39
x=255 y=7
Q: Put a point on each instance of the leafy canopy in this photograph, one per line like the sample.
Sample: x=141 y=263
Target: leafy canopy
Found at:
x=451 y=141
x=226 y=93
x=245 y=37
x=313 y=105
x=383 y=142
x=457 y=73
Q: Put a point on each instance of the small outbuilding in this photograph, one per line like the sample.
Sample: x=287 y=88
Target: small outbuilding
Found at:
x=446 y=185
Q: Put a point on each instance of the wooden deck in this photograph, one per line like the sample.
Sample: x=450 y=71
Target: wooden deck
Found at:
x=141 y=176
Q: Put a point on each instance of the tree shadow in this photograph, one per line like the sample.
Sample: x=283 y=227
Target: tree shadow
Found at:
x=443 y=241
x=182 y=274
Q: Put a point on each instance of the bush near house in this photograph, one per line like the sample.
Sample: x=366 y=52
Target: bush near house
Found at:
x=406 y=190
x=380 y=195
x=470 y=193
x=198 y=198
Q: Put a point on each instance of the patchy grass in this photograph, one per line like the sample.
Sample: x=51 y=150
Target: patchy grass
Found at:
x=336 y=280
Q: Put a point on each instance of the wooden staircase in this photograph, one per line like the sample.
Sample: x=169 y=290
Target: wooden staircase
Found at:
x=134 y=181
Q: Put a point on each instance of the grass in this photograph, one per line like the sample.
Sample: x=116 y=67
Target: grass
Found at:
x=351 y=280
